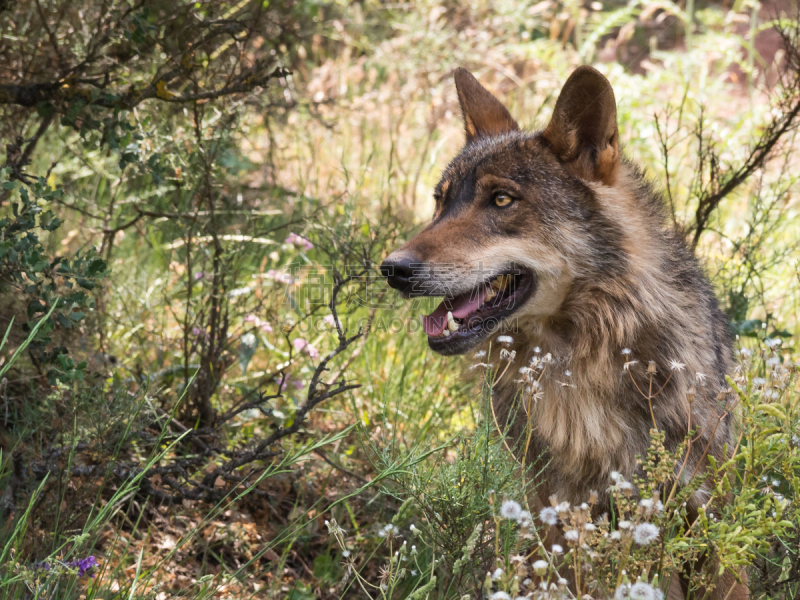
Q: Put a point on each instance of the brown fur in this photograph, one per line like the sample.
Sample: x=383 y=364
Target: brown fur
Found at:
x=612 y=273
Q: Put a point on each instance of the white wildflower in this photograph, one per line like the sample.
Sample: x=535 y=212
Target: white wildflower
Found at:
x=540 y=567
x=499 y=596
x=389 y=531
x=773 y=362
x=745 y=352
x=623 y=592
x=480 y=364
x=562 y=581
x=549 y=515
x=615 y=476
x=772 y=342
x=641 y=591
x=505 y=339
x=506 y=355
x=557 y=549
x=625 y=525
x=537 y=350
x=616 y=535
x=626 y=351
x=700 y=377
x=568 y=373
x=525 y=518
x=510 y=510
x=645 y=533
x=627 y=366
x=345 y=553
x=675 y=365
x=589 y=527
x=498 y=573
x=572 y=535
x=480 y=354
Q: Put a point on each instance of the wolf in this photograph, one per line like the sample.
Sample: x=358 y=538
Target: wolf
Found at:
x=557 y=242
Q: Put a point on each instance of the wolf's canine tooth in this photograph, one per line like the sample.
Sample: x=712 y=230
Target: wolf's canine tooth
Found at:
x=451 y=324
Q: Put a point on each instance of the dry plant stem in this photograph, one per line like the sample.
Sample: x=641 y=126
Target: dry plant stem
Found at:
x=683 y=466
x=650 y=401
x=721 y=183
x=529 y=424
x=624 y=561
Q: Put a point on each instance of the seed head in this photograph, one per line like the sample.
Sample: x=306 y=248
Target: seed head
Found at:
x=549 y=516
x=675 y=365
x=510 y=510
x=540 y=567
x=645 y=533
x=572 y=535
x=641 y=591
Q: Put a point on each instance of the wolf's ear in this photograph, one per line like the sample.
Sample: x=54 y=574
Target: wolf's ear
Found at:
x=583 y=130
x=484 y=115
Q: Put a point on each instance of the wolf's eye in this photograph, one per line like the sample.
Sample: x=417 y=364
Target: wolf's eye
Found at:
x=502 y=199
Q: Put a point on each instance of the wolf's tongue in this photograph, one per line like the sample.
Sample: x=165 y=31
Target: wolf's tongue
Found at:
x=461 y=306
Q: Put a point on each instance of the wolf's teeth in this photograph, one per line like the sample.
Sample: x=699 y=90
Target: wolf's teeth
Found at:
x=500 y=282
x=446 y=332
x=451 y=324
x=490 y=294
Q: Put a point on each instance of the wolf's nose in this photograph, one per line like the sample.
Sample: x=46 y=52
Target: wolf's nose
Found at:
x=398 y=273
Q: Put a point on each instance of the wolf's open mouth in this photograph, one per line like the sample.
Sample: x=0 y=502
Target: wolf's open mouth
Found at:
x=460 y=322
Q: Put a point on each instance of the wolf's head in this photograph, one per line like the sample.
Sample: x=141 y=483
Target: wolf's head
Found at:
x=517 y=217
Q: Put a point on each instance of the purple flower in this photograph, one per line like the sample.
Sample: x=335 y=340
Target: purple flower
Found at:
x=299 y=241
x=266 y=327
x=302 y=345
x=84 y=565
x=280 y=277
x=199 y=275
x=250 y=318
x=289 y=380
x=196 y=331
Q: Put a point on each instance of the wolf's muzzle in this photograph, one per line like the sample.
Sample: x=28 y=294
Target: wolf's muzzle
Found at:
x=398 y=272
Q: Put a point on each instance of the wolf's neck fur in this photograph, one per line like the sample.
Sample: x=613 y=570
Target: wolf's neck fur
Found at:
x=659 y=305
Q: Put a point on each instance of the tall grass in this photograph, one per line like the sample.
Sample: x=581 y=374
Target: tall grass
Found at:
x=343 y=155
